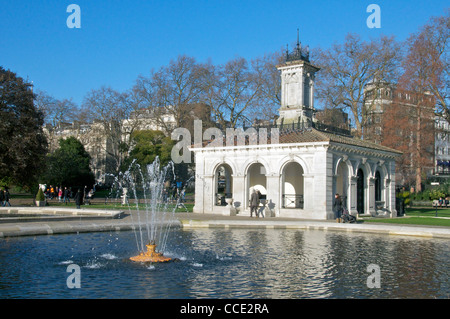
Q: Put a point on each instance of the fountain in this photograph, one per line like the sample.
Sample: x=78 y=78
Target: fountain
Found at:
x=150 y=255
x=143 y=191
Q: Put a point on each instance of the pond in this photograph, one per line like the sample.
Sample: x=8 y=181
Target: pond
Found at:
x=227 y=263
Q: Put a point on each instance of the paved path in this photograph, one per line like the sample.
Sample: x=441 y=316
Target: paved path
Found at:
x=69 y=223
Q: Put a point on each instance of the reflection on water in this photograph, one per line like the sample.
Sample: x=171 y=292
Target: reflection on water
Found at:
x=227 y=263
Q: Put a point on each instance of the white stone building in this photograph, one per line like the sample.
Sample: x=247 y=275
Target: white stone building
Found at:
x=299 y=171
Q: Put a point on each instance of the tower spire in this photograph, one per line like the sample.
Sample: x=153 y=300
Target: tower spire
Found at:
x=297 y=52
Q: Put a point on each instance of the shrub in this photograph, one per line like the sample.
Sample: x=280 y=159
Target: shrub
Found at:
x=436 y=194
x=40 y=195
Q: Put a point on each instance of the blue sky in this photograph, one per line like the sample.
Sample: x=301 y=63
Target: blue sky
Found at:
x=118 y=39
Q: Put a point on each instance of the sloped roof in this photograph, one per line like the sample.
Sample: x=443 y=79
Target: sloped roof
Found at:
x=313 y=135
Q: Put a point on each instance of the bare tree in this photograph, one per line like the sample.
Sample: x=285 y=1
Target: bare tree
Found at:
x=348 y=70
x=168 y=91
x=110 y=108
x=427 y=65
x=232 y=91
x=55 y=111
x=408 y=126
x=426 y=74
x=268 y=77
x=44 y=103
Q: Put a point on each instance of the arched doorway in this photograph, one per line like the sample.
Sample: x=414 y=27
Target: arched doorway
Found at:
x=292 y=186
x=360 y=191
x=377 y=187
x=223 y=184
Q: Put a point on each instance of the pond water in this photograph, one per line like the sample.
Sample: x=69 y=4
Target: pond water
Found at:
x=227 y=263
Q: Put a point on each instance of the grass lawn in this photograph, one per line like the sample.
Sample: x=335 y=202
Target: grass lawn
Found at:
x=118 y=206
x=425 y=221
x=418 y=216
x=428 y=212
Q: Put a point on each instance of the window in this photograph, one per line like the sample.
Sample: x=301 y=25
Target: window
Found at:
x=378 y=130
x=377 y=119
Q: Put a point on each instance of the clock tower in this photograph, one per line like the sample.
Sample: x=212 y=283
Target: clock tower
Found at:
x=297 y=86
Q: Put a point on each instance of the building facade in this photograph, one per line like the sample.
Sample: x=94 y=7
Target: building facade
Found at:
x=407 y=121
x=297 y=170
x=103 y=145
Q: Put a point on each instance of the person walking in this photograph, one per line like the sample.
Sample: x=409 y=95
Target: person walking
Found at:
x=7 y=197
x=254 y=202
x=337 y=208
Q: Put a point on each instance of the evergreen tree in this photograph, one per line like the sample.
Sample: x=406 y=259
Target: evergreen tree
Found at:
x=68 y=165
x=22 y=142
x=148 y=144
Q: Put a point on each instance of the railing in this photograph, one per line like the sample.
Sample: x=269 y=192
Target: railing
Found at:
x=292 y=201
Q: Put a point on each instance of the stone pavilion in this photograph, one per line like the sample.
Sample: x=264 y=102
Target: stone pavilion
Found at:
x=299 y=166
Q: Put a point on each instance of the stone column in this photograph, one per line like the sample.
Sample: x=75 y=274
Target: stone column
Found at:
x=352 y=196
x=199 y=185
x=273 y=204
x=239 y=190
x=311 y=94
x=308 y=192
x=302 y=87
x=386 y=195
x=371 y=196
x=208 y=193
x=390 y=190
x=283 y=90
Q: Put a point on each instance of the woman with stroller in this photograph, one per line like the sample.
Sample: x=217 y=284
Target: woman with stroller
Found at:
x=337 y=208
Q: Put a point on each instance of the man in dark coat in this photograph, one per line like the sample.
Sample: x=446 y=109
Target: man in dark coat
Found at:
x=254 y=202
x=78 y=198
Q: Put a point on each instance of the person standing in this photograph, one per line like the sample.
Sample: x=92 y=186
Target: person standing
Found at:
x=78 y=198
x=66 y=195
x=258 y=193
x=254 y=202
x=7 y=197
x=337 y=208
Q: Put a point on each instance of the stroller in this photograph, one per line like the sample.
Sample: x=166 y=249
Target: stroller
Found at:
x=346 y=217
